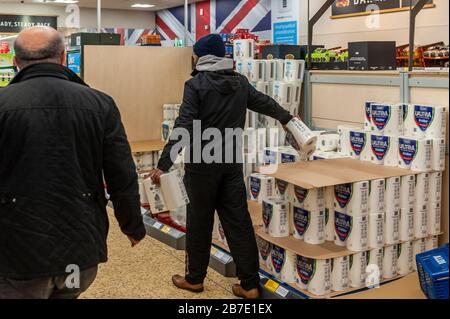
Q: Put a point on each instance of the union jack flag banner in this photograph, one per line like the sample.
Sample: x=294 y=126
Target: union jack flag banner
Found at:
x=215 y=16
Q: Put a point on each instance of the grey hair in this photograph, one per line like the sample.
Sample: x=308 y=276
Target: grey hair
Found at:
x=52 y=51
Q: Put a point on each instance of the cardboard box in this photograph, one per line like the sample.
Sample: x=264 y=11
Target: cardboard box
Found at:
x=284 y=51
x=372 y=55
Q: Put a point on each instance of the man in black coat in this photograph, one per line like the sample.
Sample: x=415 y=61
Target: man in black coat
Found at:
x=59 y=141
x=219 y=98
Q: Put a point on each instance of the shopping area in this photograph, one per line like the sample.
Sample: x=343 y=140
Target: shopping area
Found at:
x=351 y=203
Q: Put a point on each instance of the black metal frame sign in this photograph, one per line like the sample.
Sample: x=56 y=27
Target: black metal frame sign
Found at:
x=16 y=23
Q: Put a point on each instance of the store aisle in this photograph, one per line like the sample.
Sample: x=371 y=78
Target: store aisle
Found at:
x=146 y=271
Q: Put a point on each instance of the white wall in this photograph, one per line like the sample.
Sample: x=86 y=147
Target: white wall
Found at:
x=88 y=17
x=431 y=26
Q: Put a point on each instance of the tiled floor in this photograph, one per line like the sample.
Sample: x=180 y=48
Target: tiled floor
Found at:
x=146 y=270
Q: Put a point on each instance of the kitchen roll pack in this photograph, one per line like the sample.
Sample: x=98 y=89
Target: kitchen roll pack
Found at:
x=344 y=145
x=422 y=189
x=155 y=197
x=392 y=227
x=434 y=219
x=357 y=273
x=261 y=187
x=309 y=225
x=340 y=268
x=406 y=224
x=392 y=194
x=438 y=154
x=384 y=150
x=244 y=49
x=405 y=258
x=275 y=217
x=265 y=250
x=173 y=190
x=282 y=189
x=283 y=264
x=387 y=119
x=435 y=187
x=301 y=137
x=294 y=70
x=342 y=228
x=390 y=258
x=426 y=121
x=358 y=236
x=313 y=275
x=407 y=191
x=421 y=221
x=256 y=70
x=415 y=153
x=377 y=196
x=283 y=93
x=352 y=198
x=376 y=231
x=327 y=142
x=309 y=199
x=360 y=145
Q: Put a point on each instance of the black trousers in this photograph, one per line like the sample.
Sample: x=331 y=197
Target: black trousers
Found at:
x=225 y=193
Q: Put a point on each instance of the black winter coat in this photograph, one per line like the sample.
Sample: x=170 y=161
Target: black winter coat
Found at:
x=58 y=140
x=219 y=100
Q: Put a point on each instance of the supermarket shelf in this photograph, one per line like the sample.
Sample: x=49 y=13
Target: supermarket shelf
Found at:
x=165 y=234
x=221 y=261
x=147 y=146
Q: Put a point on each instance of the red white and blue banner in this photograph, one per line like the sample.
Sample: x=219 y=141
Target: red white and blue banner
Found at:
x=215 y=16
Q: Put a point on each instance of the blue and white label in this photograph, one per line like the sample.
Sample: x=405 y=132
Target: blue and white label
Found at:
x=380 y=146
x=357 y=141
x=255 y=186
x=306 y=268
x=381 y=115
x=270 y=157
x=407 y=149
x=342 y=225
x=285 y=33
x=343 y=194
x=287 y=158
x=423 y=116
x=267 y=213
x=278 y=256
x=302 y=219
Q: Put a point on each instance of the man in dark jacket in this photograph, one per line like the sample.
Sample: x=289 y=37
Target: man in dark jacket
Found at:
x=59 y=141
x=219 y=98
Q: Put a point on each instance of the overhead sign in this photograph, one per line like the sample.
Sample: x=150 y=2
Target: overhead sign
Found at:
x=285 y=21
x=17 y=23
x=350 y=8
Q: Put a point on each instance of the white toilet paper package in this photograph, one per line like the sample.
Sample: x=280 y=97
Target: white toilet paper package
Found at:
x=415 y=154
x=392 y=194
x=283 y=93
x=376 y=231
x=282 y=189
x=406 y=224
x=357 y=239
x=283 y=264
x=377 y=196
x=421 y=221
x=244 y=49
x=309 y=225
x=301 y=137
x=387 y=119
x=405 y=258
x=275 y=217
x=339 y=273
x=359 y=141
x=344 y=145
x=422 y=189
x=407 y=191
x=261 y=187
x=384 y=150
x=352 y=198
x=390 y=258
x=173 y=189
x=435 y=187
x=438 y=154
x=426 y=121
x=342 y=228
x=265 y=249
x=434 y=219
x=358 y=264
x=314 y=275
x=392 y=227
x=294 y=70
x=327 y=142
x=309 y=199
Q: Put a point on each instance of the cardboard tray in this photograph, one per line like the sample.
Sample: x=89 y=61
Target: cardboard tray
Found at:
x=330 y=172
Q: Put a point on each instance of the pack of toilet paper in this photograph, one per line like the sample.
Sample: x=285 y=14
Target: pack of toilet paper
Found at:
x=360 y=145
x=421 y=221
x=376 y=231
x=392 y=227
x=264 y=249
x=283 y=264
x=309 y=199
x=352 y=198
x=438 y=154
x=419 y=246
x=301 y=137
x=344 y=145
x=309 y=225
x=435 y=187
x=426 y=121
x=279 y=75
x=256 y=70
x=434 y=219
x=358 y=236
x=271 y=156
x=374 y=269
x=368 y=125
x=415 y=153
x=407 y=191
x=342 y=228
x=357 y=274
x=173 y=190
x=271 y=70
x=387 y=119
x=406 y=224
x=340 y=268
x=261 y=187
x=384 y=150
x=392 y=193
x=390 y=258
x=244 y=49
x=313 y=275
x=275 y=215
x=155 y=197
x=294 y=70
x=283 y=93
x=422 y=189
x=405 y=258
x=377 y=196
x=282 y=189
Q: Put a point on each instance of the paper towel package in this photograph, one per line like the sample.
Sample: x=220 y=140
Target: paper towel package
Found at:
x=438 y=154
x=242 y=66
x=359 y=141
x=434 y=219
x=415 y=154
x=374 y=267
x=301 y=137
x=339 y=273
x=435 y=187
x=426 y=121
x=279 y=76
x=294 y=70
x=256 y=70
x=297 y=95
x=387 y=119
x=342 y=228
x=271 y=70
x=431 y=242
x=309 y=199
x=155 y=197
x=309 y=225
x=344 y=145
x=357 y=274
x=283 y=264
x=282 y=189
x=405 y=258
x=265 y=249
x=384 y=150
x=407 y=191
x=244 y=49
x=261 y=187
x=314 y=275
x=329 y=224
x=289 y=155
x=377 y=196
x=368 y=125
x=406 y=228
x=422 y=189
x=283 y=93
x=275 y=217
x=390 y=261
x=357 y=239
x=392 y=194
x=352 y=198
x=327 y=142
x=421 y=221
x=376 y=231
x=392 y=227
x=418 y=248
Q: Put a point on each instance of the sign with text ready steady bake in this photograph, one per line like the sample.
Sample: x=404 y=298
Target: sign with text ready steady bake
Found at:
x=17 y=23
x=350 y=8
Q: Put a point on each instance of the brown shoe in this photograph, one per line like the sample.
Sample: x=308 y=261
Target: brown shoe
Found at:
x=181 y=282
x=240 y=292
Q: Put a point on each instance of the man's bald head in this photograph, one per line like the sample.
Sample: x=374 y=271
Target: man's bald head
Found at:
x=39 y=45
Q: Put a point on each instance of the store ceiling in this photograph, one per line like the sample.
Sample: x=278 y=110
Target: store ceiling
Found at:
x=111 y=4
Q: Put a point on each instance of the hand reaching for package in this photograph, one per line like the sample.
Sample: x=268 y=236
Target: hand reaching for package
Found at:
x=155 y=176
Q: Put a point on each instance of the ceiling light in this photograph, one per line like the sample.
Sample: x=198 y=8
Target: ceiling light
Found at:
x=142 y=5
